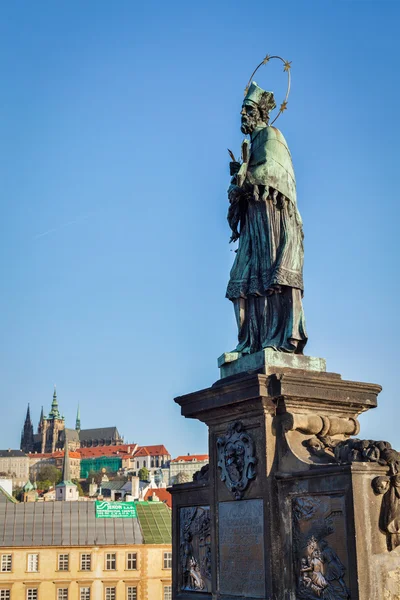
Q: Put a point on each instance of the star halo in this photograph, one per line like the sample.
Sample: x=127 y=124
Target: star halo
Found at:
x=286 y=67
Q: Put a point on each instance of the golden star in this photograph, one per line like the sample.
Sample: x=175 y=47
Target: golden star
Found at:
x=283 y=106
x=266 y=59
x=287 y=66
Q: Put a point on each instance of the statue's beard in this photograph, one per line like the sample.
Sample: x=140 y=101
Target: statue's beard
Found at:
x=248 y=125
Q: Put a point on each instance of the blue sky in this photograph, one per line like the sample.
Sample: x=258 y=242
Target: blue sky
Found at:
x=115 y=119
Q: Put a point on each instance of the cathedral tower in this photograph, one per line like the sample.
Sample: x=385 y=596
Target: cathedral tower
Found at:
x=27 y=433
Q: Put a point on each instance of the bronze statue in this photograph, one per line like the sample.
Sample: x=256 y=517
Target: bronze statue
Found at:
x=266 y=280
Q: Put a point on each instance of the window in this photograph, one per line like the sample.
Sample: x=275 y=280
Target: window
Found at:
x=144 y=463
x=6 y=563
x=131 y=593
x=167 y=592
x=110 y=593
x=131 y=561
x=137 y=463
x=63 y=562
x=86 y=562
x=62 y=594
x=33 y=563
x=84 y=593
x=31 y=594
x=111 y=562
x=167 y=560
x=5 y=594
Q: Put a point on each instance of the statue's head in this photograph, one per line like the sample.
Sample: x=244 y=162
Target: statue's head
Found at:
x=256 y=108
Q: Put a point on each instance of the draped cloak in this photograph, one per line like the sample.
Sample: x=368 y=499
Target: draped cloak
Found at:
x=268 y=267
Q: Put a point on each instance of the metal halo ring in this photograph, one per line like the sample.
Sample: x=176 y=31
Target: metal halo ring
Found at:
x=286 y=67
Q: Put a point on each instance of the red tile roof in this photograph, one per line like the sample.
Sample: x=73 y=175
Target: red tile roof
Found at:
x=159 y=450
x=122 y=450
x=58 y=454
x=191 y=458
x=161 y=493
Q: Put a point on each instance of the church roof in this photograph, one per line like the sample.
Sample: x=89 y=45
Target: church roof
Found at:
x=72 y=435
x=102 y=433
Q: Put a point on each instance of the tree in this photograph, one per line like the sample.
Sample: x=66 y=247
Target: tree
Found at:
x=144 y=474
x=17 y=493
x=78 y=485
x=48 y=475
x=96 y=475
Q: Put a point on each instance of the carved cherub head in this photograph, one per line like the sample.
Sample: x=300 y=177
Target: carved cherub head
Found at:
x=381 y=484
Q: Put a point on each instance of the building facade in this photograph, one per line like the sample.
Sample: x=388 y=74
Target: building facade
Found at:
x=95 y=559
x=38 y=461
x=14 y=464
x=152 y=458
x=188 y=465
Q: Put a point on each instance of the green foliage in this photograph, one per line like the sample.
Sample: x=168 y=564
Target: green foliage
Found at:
x=48 y=473
x=45 y=485
x=78 y=485
x=17 y=493
x=144 y=474
x=94 y=475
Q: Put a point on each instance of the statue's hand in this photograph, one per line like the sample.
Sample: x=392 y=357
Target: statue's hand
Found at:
x=235 y=236
x=234 y=167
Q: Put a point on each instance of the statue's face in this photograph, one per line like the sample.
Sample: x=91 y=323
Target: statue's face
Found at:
x=250 y=118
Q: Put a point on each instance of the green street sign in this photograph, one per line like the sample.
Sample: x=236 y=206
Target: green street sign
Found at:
x=115 y=510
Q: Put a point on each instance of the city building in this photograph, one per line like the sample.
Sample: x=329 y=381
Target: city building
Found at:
x=14 y=464
x=55 y=459
x=61 y=551
x=188 y=465
x=110 y=458
x=151 y=458
x=51 y=433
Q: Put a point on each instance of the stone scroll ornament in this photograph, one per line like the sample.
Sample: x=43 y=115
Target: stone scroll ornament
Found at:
x=236 y=459
x=355 y=450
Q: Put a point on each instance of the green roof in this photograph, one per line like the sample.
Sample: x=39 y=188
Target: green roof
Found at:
x=155 y=522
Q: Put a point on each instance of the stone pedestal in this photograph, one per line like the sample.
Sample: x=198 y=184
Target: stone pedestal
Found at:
x=286 y=510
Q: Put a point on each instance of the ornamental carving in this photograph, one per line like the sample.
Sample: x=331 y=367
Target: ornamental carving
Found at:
x=236 y=459
x=195 y=549
x=318 y=532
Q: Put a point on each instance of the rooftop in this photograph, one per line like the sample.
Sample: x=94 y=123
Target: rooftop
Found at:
x=155 y=521
x=159 y=450
x=162 y=494
x=33 y=524
x=191 y=458
x=13 y=453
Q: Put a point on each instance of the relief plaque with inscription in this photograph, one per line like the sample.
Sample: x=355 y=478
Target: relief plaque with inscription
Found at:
x=241 y=548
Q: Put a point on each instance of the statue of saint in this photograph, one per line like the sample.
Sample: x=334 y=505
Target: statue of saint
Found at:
x=266 y=280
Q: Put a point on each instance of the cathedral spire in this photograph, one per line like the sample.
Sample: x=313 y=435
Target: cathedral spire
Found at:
x=78 y=420
x=54 y=413
x=27 y=433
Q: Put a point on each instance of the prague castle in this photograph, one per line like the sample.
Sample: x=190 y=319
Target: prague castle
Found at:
x=51 y=433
